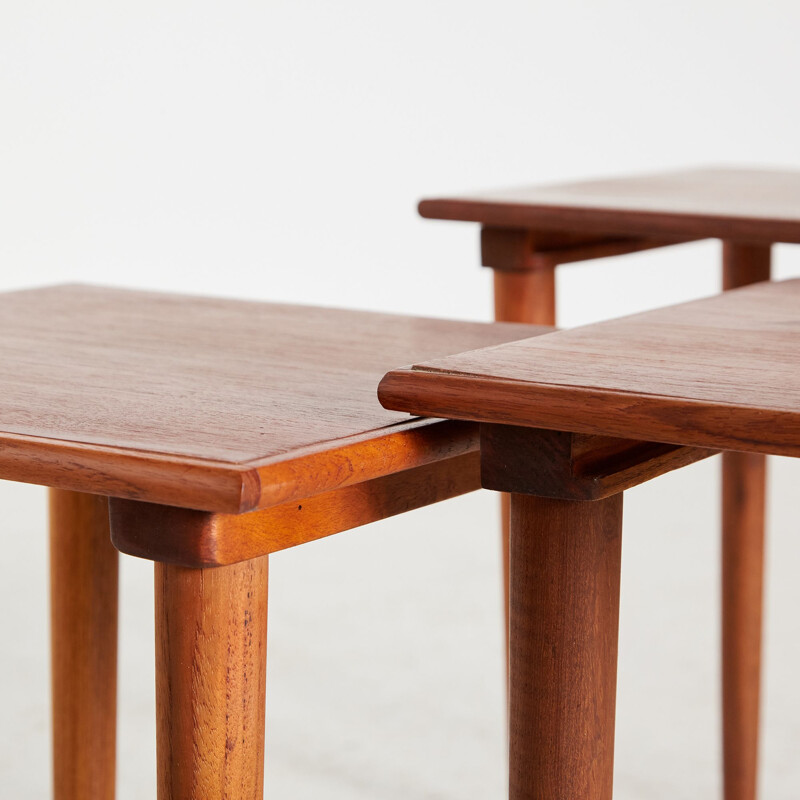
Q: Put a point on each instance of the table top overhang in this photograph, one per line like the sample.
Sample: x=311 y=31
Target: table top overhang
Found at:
x=759 y=205
x=220 y=405
x=721 y=373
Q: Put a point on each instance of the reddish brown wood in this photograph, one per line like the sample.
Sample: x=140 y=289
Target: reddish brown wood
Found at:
x=509 y=249
x=514 y=249
x=536 y=229
x=744 y=263
x=83 y=603
x=601 y=249
x=198 y=538
x=573 y=466
x=521 y=294
x=518 y=297
x=525 y=296
x=221 y=405
x=211 y=649
x=372 y=455
x=505 y=533
x=719 y=373
x=744 y=204
x=524 y=263
x=743 y=502
x=565 y=567
x=743 y=483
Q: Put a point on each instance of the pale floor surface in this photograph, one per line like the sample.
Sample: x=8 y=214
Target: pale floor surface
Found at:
x=385 y=670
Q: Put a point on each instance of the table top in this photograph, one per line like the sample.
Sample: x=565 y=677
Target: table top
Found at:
x=720 y=373
x=219 y=405
x=750 y=204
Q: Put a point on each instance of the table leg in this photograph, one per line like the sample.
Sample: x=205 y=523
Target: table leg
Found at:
x=211 y=648
x=565 y=571
x=530 y=297
x=743 y=493
x=83 y=601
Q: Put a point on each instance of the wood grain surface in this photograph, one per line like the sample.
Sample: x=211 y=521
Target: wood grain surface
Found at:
x=573 y=466
x=718 y=373
x=526 y=250
x=744 y=484
x=565 y=571
x=202 y=539
x=211 y=653
x=83 y=612
x=525 y=295
x=219 y=405
x=523 y=292
x=743 y=504
x=746 y=204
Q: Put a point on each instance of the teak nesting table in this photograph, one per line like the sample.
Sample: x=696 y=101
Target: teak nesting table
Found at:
x=210 y=433
x=205 y=434
x=527 y=232
x=568 y=422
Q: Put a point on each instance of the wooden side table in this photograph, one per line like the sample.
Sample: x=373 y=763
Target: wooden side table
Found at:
x=210 y=433
x=526 y=233
x=568 y=422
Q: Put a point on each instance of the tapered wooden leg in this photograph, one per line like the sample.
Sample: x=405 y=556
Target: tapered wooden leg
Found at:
x=565 y=569
x=743 y=492
x=83 y=603
x=525 y=296
x=211 y=650
x=530 y=297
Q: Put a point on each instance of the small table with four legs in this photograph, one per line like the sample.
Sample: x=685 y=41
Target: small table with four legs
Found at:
x=568 y=422
x=209 y=433
x=204 y=434
x=527 y=232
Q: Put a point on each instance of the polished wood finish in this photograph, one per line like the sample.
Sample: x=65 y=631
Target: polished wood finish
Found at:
x=188 y=413
x=744 y=263
x=522 y=293
x=514 y=249
x=211 y=650
x=536 y=229
x=743 y=504
x=530 y=297
x=525 y=296
x=201 y=539
x=600 y=249
x=83 y=610
x=719 y=373
x=565 y=569
x=573 y=466
x=745 y=204
x=743 y=482
x=220 y=405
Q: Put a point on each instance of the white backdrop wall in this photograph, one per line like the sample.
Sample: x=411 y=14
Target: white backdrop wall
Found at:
x=276 y=150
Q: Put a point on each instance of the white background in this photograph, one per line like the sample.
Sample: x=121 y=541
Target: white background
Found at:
x=276 y=150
